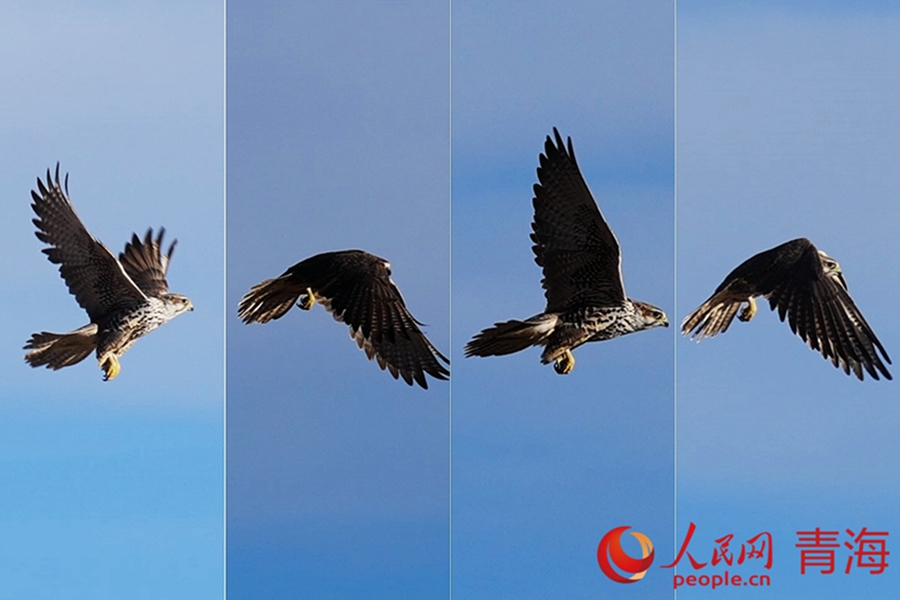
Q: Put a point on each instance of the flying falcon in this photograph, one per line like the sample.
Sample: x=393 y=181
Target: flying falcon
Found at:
x=582 y=268
x=807 y=287
x=125 y=298
x=357 y=289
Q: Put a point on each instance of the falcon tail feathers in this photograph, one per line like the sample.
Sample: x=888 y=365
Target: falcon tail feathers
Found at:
x=269 y=300
x=711 y=318
x=58 y=350
x=512 y=336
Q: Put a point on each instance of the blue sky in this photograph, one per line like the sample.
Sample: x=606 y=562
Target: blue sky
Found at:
x=338 y=137
x=113 y=490
x=544 y=465
x=787 y=127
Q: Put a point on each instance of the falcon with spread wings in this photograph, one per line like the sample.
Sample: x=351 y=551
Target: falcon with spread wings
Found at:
x=357 y=289
x=125 y=297
x=807 y=288
x=582 y=267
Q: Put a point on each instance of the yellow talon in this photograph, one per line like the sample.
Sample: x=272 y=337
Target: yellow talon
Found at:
x=111 y=367
x=749 y=311
x=307 y=300
x=565 y=363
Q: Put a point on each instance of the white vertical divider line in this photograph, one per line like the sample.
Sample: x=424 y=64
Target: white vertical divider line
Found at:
x=450 y=274
x=675 y=290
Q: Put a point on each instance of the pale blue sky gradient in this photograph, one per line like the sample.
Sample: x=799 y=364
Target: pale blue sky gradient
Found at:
x=544 y=465
x=338 y=137
x=113 y=490
x=787 y=127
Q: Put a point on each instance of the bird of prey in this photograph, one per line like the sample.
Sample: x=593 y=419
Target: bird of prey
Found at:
x=582 y=267
x=124 y=298
x=357 y=289
x=807 y=287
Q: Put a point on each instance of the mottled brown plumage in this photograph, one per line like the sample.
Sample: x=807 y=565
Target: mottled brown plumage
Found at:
x=582 y=267
x=806 y=287
x=356 y=288
x=124 y=298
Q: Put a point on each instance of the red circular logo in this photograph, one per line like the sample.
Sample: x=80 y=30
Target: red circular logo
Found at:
x=610 y=553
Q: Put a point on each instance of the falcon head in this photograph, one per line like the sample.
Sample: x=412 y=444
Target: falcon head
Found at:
x=649 y=316
x=175 y=304
x=831 y=268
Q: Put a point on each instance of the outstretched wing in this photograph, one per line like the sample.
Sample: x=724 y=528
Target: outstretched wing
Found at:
x=145 y=263
x=573 y=244
x=357 y=289
x=90 y=270
x=819 y=309
x=757 y=276
x=812 y=299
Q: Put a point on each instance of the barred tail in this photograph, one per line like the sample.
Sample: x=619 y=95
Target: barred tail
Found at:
x=269 y=300
x=711 y=318
x=512 y=336
x=58 y=350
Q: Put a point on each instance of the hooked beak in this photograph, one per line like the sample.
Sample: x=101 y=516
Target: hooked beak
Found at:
x=839 y=275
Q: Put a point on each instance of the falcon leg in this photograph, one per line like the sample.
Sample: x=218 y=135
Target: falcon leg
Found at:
x=565 y=363
x=749 y=311
x=111 y=367
x=307 y=300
